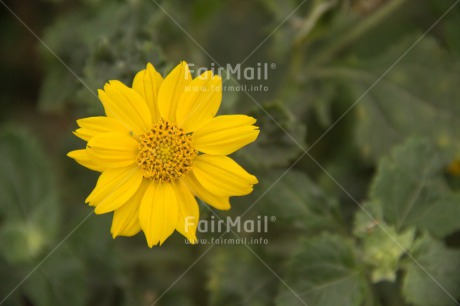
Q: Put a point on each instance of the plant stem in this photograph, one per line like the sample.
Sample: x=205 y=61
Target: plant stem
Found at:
x=299 y=44
x=358 y=31
x=298 y=50
x=308 y=25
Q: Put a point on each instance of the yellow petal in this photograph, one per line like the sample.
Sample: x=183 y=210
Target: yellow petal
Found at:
x=126 y=105
x=147 y=83
x=198 y=190
x=200 y=101
x=126 y=218
x=159 y=212
x=171 y=90
x=189 y=213
x=113 y=150
x=81 y=157
x=90 y=127
x=223 y=135
x=222 y=176
x=114 y=188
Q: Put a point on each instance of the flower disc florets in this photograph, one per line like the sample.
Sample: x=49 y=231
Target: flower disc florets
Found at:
x=166 y=152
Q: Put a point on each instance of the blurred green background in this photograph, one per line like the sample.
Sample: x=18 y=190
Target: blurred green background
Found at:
x=358 y=158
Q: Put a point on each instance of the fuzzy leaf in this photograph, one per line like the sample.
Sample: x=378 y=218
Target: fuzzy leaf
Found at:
x=97 y=49
x=61 y=280
x=410 y=189
x=324 y=272
x=273 y=146
x=435 y=280
x=382 y=246
x=418 y=97
x=294 y=199
x=245 y=283
x=28 y=198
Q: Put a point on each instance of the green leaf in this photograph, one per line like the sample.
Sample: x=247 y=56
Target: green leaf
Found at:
x=417 y=97
x=52 y=100
x=382 y=245
x=409 y=186
x=367 y=219
x=294 y=199
x=28 y=198
x=324 y=272
x=274 y=147
x=383 y=249
x=110 y=43
x=21 y=241
x=443 y=217
x=203 y=9
x=433 y=280
x=60 y=281
x=246 y=283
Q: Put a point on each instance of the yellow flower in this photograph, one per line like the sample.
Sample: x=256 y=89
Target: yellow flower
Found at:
x=454 y=168
x=158 y=147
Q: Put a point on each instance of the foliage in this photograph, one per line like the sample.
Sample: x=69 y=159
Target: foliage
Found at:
x=357 y=159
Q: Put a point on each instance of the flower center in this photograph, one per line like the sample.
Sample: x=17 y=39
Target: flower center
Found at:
x=166 y=152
